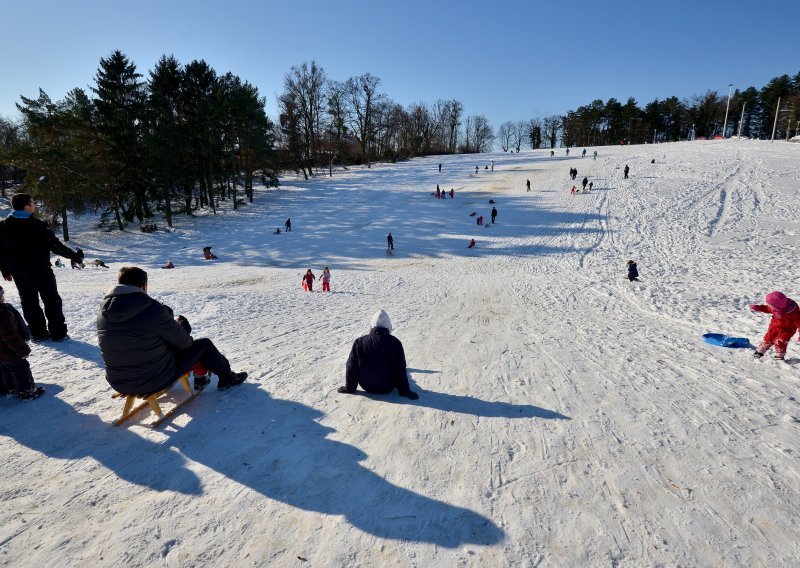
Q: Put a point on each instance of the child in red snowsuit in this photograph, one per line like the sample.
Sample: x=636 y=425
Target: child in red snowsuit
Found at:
x=326 y=280
x=785 y=322
x=308 y=280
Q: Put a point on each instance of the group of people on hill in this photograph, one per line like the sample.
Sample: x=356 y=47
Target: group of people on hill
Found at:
x=442 y=194
x=308 y=280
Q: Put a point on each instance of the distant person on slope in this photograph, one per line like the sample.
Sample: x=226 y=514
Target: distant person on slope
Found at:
x=494 y=214
x=595 y=156
x=584 y=182
x=626 y=170
x=389 y=241
x=377 y=361
x=633 y=272
x=326 y=279
x=288 y=225
x=783 y=325
x=528 y=184
x=308 y=281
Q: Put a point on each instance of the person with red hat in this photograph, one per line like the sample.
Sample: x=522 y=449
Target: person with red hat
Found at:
x=785 y=322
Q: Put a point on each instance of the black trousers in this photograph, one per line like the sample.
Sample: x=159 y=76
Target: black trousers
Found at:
x=32 y=284
x=202 y=351
x=16 y=375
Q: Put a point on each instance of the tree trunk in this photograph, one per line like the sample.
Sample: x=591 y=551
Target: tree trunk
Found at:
x=64 y=225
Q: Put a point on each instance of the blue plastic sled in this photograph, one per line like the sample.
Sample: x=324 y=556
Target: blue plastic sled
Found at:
x=725 y=341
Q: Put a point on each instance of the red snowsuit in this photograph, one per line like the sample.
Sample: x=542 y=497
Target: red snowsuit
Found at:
x=781 y=328
x=309 y=281
x=326 y=281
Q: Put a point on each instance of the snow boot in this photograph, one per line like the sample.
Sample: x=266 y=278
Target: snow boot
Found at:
x=31 y=394
x=201 y=381
x=231 y=380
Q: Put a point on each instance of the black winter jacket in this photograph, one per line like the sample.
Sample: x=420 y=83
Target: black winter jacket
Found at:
x=377 y=362
x=14 y=334
x=138 y=337
x=26 y=244
x=632 y=271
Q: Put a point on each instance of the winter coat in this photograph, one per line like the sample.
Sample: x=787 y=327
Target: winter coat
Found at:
x=326 y=276
x=783 y=324
x=14 y=334
x=26 y=244
x=138 y=337
x=377 y=362
x=309 y=279
x=633 y=272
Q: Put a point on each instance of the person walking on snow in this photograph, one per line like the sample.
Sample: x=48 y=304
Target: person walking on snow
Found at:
x=528 y=184
x=626 y=170
x=377 y=362
x=308 y=280
x=438 y=192
x=595 y=156
x=783 y=325
x=584 y=182
x=452 y=193
x=389 y=242
x=494 y=214
x=440 y=168
x=288 y=225
x=583 y=154
x=326 y=279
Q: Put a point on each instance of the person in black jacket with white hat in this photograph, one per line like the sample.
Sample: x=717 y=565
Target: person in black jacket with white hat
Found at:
x=377 y=361
x=25 y=247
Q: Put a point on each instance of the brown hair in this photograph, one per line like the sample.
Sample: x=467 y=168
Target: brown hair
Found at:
x=20 y=201
x=132 y=276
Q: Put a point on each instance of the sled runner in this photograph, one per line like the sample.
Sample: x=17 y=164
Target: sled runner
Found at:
x=151 y=400
x=725 y=341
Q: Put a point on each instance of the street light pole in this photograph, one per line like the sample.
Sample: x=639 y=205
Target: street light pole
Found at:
x=741 y=120
x=775 y=124
x=727 y=107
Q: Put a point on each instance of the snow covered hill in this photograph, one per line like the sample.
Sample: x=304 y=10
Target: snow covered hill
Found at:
x=566 y=416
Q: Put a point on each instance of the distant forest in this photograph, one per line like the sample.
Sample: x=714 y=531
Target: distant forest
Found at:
x=186 y=138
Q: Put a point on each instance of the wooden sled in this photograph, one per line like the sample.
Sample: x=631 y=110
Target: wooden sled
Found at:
x=131 y=408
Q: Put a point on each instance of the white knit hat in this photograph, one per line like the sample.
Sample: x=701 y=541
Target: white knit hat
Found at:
x=381 y=319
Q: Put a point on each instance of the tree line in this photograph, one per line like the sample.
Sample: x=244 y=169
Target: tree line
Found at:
x=185 y=138
x=752 y=113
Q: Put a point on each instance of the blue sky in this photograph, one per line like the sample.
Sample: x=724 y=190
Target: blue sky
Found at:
x=508 y=61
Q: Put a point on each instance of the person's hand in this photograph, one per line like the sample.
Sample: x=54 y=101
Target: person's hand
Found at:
x=184 y=323
x=753 y=307
x=342 y=390
x=412 y=395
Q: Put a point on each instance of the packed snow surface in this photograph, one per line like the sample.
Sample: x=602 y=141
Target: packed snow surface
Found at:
x=566 y=416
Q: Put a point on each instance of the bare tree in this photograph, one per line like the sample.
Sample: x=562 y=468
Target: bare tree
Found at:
x=551 y=126
x=453 y=121
x=533 y=133
x=306 y=85
x=520 y=132
x=363 y=99
x=479 y=134
x=504 y=134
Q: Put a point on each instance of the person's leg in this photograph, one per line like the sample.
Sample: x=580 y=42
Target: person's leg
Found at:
x=780 y=347
x=21 y=376
x=6 y=381
x=45 y=282
x=202 y=351
x=29 y=298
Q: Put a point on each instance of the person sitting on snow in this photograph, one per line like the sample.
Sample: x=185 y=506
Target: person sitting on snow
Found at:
x=471 y=244
x=633 y=272
x=144 y=349
x=377 y=361
x=169 y=265
x=208 y=255
x=784 y=323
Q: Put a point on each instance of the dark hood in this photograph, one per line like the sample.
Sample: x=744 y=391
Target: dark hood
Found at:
x=124 y=302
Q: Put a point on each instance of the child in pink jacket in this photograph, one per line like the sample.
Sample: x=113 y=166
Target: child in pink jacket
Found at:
x=785 y=322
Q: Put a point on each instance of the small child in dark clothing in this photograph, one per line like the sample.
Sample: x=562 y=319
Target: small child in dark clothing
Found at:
x=633 y=273
x=14 y=350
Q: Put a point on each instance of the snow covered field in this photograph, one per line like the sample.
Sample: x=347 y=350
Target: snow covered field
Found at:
x=566 y=416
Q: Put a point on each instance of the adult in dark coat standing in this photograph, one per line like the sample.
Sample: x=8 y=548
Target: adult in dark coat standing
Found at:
x=389 y=242
x=25 y=247
x=144 y=349
x=494 y=214
x=377 y=361
x=626 y=170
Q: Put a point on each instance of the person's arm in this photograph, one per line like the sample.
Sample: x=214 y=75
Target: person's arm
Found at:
x=59 y=248
x=351 y=371
x=4 y=268
x=400 y=374
x=760 y=308
x=170 y=330
x=10 y=336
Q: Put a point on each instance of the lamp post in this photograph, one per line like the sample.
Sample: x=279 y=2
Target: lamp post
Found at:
x=741 y=120
x=775 y=123
x=727 y=107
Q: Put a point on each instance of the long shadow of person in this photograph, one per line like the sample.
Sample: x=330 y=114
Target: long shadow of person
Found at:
x=469 y=405
x=71 y=435
x=285 y=454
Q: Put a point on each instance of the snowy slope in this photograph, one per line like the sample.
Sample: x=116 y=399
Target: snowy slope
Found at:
x=566 y=416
